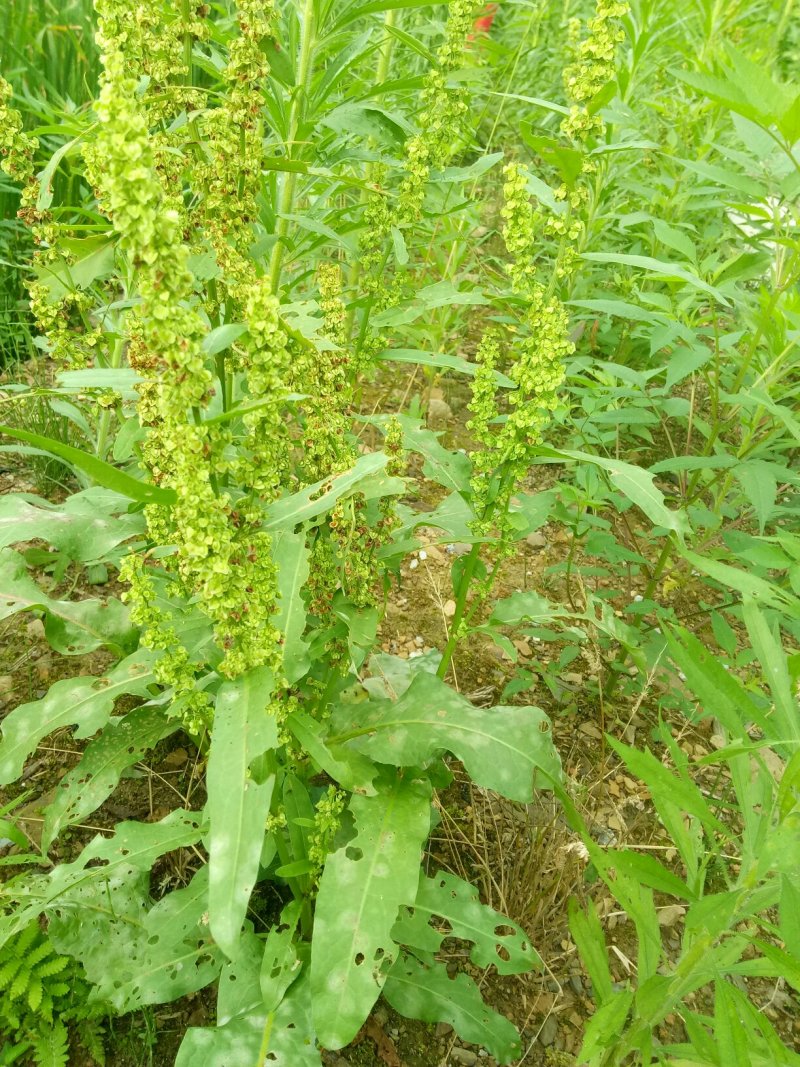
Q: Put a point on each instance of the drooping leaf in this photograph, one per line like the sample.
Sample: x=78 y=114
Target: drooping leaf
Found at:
x=121 y=744
x=83 y=702
x=87 y=526
x=502 y=748
x=495 y=939
x=658 y=266
x=633 y=482
x=427 y=992
x=449 y=469
x=239 y=794
x=362 y=886
x=98 y=470
x=72 y=628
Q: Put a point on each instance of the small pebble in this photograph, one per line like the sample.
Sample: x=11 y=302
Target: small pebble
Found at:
x=576 y=984
x=536 y=539
x=549 y=1031
x=464 y=1055
x=459 y=548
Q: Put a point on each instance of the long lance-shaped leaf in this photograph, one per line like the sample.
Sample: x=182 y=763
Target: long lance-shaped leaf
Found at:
x=495 y=939
x=86 y=703
x=284 y=1038
x=239 y=796
x=363 y=885
x=72 y=628
x=87 y=785
x=98 y=470
x=290 y=553
x=427 y=992
x=503 y=748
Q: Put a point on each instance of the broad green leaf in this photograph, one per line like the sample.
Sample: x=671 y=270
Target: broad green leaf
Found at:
x=72 y=628
x=362 y=886
x=87 y=526
x=365 y=477
x=238 y=799
x=674 y=238
x=449 y=469
x=290 y=553
x=495 y=939
x=93 y=259
x=502 y=748
x=587 y=933
x=427 y=992
x=83 y=702
x=98 y=470
x=135 y=953
x=121 y=744
x=619 y=308
x=605 y=1026
x=284 y=1038
x=657 y=266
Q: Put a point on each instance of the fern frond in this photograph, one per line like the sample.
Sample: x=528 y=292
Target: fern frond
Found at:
x=51 y=1047
x=91 y=1033
x=35 y=991
x=20 y=984
x=52 y=966
x=8 y=971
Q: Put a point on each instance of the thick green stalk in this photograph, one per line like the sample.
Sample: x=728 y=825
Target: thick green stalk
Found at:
x=105 y=418
x=296 y=110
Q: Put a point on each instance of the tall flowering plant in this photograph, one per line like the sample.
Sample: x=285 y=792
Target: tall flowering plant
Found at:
x=221 y=341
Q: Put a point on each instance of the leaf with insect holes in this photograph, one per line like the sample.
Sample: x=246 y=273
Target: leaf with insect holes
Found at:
x=362 y=886
x=240 y=788
x=279 y=964
x=367 y=477
x=121 y=744
x=72 y=628
x=284 y=1038
x=495 y=939
x=135 y=953
x=427 y=992
x=502 y=748
x=87 y=526
x=86 y=703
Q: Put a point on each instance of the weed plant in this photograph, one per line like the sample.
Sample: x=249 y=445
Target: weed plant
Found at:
x=591 y=220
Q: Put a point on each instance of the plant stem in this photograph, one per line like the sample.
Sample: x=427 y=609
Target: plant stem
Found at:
x=105 y=418
x=296 y=110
